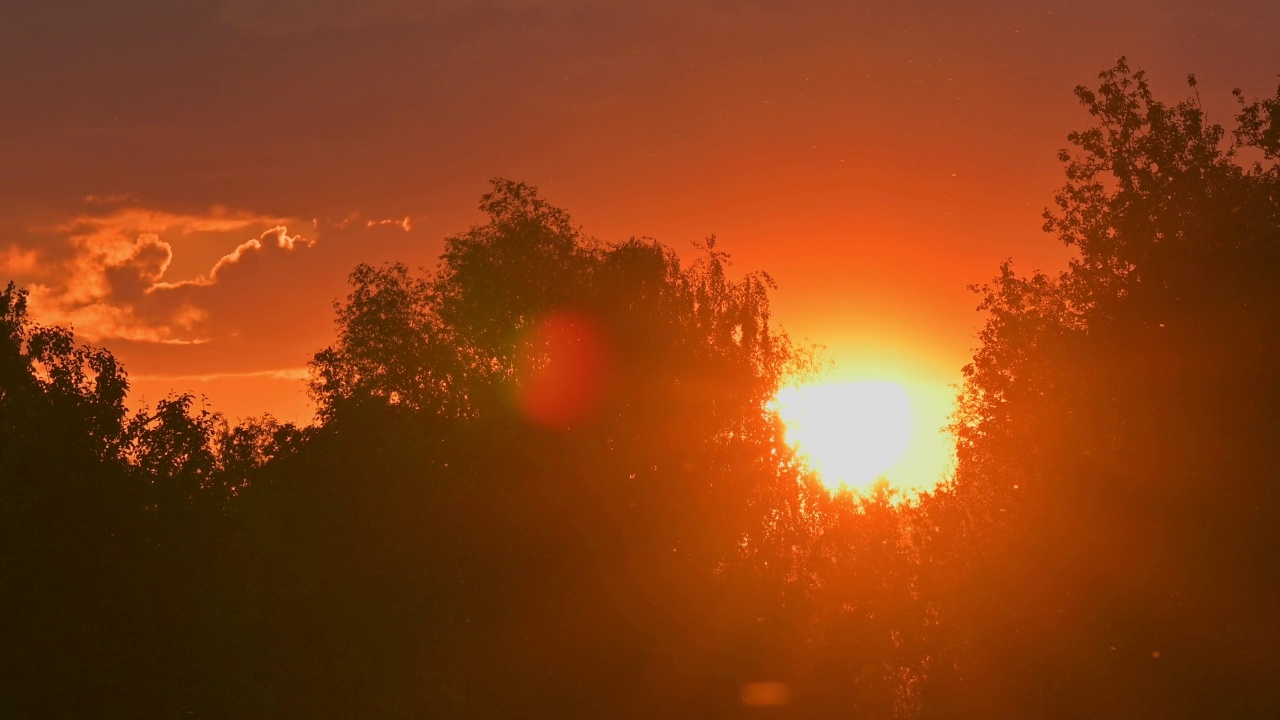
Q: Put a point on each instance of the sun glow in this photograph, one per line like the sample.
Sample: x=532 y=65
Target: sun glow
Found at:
x=854 y=434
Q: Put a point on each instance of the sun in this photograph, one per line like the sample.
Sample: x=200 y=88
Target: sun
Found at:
x=851 y=433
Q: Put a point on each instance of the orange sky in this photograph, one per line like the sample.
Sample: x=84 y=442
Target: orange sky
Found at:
x=874 y=158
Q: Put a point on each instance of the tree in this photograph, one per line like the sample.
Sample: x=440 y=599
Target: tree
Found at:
x=45 y=375
x=125 y=592
x=1112 y=505
x=549 y=460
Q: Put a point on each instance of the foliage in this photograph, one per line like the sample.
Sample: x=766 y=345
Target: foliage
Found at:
x=628 y=503
x=1113 y=429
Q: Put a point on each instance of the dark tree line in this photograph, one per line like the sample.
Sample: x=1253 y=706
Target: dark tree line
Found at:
x=546 y=481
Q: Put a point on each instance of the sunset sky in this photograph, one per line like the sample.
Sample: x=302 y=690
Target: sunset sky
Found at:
x=189 y=183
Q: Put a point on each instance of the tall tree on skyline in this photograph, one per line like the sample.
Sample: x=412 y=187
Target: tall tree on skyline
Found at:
x=1114 y=425
x=642 y=473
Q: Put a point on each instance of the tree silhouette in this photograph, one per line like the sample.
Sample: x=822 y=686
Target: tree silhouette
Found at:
x=1116 y=504
x=123 y=596
x=546 y=417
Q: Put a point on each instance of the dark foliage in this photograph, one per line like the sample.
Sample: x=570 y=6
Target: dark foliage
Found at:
x=1116 y=499
x=468 y=532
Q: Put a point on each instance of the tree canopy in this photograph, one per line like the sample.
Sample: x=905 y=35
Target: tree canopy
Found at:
x=1115 y=428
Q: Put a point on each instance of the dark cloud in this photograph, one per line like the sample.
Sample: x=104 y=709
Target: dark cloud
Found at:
x=129 y=279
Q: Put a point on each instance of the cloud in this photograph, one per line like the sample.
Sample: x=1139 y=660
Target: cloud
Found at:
x=142 y=268
x=111 y=199
x=104 y=320
x=276 y=237
x=15 y=261
x=293 y=373
x=403 y=223
x=107 y=276
x=216 y=299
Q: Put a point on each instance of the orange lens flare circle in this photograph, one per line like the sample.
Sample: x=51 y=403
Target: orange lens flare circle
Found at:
x=561 y=378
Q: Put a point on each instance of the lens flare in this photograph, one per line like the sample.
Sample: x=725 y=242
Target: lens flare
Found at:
x=562 y=377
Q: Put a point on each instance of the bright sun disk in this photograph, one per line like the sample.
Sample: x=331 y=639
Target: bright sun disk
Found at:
x=851 y=433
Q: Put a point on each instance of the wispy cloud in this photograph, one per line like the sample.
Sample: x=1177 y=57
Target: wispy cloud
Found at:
x=110 y=199
x=293 y=374
x=403 y=223
x=276 y=237
x=196 y=298
x=108 y=277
